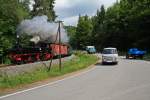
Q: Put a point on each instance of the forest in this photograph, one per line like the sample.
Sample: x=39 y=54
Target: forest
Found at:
x=124 y=25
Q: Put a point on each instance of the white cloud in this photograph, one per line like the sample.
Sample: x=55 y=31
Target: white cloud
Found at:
x=107 y=3
x=68 y=10
x=61 y=4
x=71 y=20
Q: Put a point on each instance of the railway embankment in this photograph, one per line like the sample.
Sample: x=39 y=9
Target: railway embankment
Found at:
x=20 y=75
x=13 y=70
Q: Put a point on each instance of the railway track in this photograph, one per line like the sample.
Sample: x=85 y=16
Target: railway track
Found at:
x=7 y=65
x=13 y=69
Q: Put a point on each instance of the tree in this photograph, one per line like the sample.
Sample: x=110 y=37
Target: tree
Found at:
x=123 y=25
x=99 y=27
x=12 y=12
x=71 y=30
x=44 y=7
x=25 y=4
x=83 y=32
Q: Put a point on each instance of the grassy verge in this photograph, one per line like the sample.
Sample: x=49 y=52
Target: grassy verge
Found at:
x=147 y=57
x=81 y=61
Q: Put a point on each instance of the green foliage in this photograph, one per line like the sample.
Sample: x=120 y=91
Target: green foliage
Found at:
x=83 y=32
x=12 y=13
x=71 y=30
x=44 y=7
x=126 y=24
x=99 y=27
x=81 y=61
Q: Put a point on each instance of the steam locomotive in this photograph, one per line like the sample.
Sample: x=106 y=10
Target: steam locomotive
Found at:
x=42 y=51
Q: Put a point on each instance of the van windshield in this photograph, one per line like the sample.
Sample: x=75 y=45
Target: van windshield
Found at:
x=109 y=51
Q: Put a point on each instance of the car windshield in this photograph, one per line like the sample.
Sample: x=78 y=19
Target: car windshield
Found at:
x=92 y=49
x=109 y=51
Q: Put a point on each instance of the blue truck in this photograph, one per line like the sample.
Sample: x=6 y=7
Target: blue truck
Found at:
x=135 y=53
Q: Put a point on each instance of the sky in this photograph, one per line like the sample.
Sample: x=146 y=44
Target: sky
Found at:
x=69 y=10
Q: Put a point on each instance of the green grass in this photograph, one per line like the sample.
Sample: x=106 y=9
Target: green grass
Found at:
x=81 y=61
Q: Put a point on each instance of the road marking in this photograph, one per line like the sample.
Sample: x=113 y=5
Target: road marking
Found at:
x=51 y=83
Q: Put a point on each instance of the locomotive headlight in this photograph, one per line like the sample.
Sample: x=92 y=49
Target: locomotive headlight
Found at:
x=17 y=36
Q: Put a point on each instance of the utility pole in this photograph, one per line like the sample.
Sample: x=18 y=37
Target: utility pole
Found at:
x=117 y=1
x=59 y=31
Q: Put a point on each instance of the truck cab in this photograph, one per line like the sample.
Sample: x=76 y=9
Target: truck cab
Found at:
x=135 y=53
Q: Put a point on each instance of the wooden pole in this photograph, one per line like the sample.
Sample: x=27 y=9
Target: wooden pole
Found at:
x=59 y=30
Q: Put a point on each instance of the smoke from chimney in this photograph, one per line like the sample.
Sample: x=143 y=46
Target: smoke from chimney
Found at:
x=42 y=30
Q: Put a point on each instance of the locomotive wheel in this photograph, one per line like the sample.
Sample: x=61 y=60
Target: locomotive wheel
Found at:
x=31 y=59
x=42 y=57
x=19 y=62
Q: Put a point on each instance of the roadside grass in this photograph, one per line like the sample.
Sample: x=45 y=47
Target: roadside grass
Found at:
x=147 y=57
x=81 y=61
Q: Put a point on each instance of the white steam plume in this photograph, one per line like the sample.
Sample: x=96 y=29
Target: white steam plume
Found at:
x=42 y=30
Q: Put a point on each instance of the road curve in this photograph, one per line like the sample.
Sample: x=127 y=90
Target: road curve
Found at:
x=129 y=80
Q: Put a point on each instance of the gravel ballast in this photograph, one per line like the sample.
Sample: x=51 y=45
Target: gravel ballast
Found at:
x=27 y=68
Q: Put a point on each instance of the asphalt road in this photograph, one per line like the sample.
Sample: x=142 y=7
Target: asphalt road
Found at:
x=129 y=80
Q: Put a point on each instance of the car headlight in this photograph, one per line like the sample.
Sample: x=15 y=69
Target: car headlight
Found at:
x=103 y=58
x=115 y=59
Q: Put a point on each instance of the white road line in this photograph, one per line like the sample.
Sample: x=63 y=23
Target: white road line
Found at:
x=51 y=83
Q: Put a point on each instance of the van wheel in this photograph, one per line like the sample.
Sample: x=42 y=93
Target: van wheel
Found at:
x=127 y=56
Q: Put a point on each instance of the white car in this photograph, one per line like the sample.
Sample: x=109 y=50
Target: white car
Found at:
x=109 y=55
